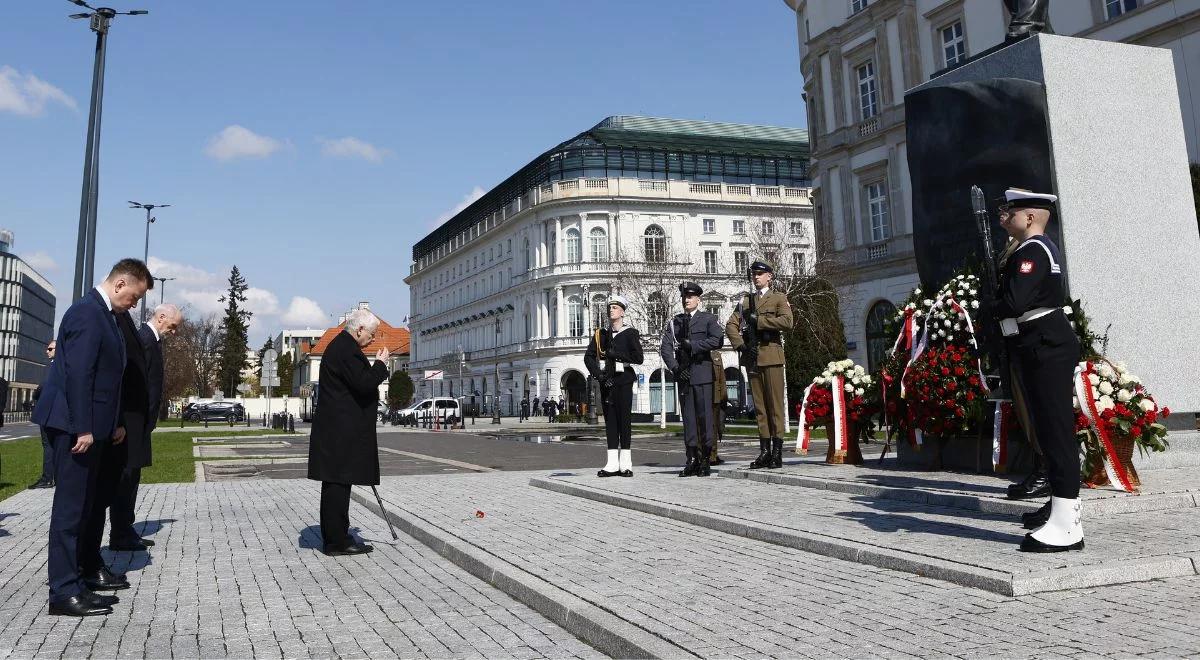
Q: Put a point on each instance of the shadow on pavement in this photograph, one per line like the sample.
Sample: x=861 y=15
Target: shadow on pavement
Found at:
x=891 y=523
x=152 y=526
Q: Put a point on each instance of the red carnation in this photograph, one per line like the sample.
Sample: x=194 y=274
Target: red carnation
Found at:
x=1166 y=412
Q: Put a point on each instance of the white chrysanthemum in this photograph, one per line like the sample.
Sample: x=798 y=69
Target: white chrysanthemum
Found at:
x=858 y=391
x=916 y=292
x=856 y=380
x=974 y=292
x=859 y=370
x=1146 y=405
x=946 y=323
x=1105 y=403
x=866 y=380
x=849 y=387
x=974 y=304
x=1093 y=379
x=927 y=302
x=1106 y=387
x=820 y=380
x=1124 y=396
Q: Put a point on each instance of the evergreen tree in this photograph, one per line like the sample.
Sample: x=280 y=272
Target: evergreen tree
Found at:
x=235 y=330
x=285 y=369
x=400 y=390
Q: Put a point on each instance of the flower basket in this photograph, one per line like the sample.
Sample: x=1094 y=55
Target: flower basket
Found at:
x=1097 y=476
x=1115 y=414
x=852 y=455
x=837 y=400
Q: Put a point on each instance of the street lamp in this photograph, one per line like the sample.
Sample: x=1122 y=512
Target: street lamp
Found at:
x=496 y=377
x=85 y=250
x=162 y=291
x=149 y=221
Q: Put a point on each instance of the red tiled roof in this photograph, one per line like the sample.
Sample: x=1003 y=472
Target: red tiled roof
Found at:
x=393 y=338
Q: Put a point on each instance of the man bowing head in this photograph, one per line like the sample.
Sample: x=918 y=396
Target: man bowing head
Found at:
x=342 y=448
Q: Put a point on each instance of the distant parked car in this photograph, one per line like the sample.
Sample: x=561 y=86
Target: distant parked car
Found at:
x=443 y=409
x=219 y=411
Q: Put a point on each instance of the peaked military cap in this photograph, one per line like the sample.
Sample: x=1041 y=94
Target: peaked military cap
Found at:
x=1027 y=199
x=761 y=267
x=690 y=289
x=619 y=300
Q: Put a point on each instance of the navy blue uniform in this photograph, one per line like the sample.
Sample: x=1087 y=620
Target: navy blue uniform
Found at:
x=1046 y=351
x=704 y=334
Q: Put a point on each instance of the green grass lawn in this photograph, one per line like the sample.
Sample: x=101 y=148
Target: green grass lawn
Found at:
x=173 y=461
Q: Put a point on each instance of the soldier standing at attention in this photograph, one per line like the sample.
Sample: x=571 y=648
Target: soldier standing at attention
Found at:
x=608 y=358
x=1042 y=342
x=754 y=329
x=686 y=350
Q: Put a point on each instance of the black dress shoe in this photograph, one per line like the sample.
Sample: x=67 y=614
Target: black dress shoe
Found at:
x=104 y=579
x=1035 y=485
x=146 y=542
x=78 y=606
x=626 y=473
x=1031 y=544
x=348 y=549
x=1035 y=519
x=42 y=483
x=99 y=600
x=606 y=473
x=134 y=546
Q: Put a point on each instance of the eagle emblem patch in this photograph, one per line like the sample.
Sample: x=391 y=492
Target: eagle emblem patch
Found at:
x=1026 y=267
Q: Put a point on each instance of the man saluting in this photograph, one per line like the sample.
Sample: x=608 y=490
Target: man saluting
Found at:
x=78 y=408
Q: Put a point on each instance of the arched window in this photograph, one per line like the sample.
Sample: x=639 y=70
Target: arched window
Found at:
x=655 y=242
x=878 y=339
x=553 y=316
x=575 y=316
x=552 y=248
x=573 y=247
x=599 y=310
x=598 y=244
x=656 y=314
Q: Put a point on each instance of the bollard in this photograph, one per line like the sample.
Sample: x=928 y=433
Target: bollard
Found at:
x=181 y=420
x=205 y=421
x=291 y=423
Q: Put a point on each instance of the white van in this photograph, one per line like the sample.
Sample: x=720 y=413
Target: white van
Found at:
x=443 y=409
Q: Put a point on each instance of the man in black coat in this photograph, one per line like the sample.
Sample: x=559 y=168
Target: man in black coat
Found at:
x=47 y=478
x=141 y=399
x=609 y=357
x=342 y=447
x=686 y=350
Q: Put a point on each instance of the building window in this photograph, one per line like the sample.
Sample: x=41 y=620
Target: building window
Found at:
x=858 y=5
x=868 y=100
x=598 y=244
x=877 y=207
x=710 y=262
x=528 y=258
x=573 y=246
x=878 y=340
x=1114 y=8
x=740 y=263
x=768 y=228
x=772 y=258
x=575 y=316
x=710 y=226
x=739 y=227
x=553 y=248
x=797 y=263
x=795 y=229
x=599 y=311
x=655 y=241
x=954 y=47
x=509 y=246
x=715 y=310
x=656 y=314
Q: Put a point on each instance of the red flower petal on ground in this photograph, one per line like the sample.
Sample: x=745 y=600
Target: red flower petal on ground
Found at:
x=479 y=514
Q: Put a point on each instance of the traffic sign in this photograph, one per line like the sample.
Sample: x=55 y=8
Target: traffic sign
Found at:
x=433 y=374
x=270 y=355
x=269 y=381
x=243 y=387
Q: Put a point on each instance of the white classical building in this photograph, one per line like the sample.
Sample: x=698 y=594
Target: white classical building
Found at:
x=26 y=325
x=517 y=282
x=859 y=56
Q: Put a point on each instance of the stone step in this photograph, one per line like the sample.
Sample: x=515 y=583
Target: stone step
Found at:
x=942 y=542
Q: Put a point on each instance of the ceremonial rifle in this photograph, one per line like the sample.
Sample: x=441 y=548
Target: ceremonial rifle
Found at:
x=682 y=355
x=988 y=258
x=749 y=327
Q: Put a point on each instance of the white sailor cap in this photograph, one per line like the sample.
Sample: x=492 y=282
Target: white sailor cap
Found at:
x=1021 y=198
x=619 y=300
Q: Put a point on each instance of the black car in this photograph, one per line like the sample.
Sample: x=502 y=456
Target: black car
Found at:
x=219 y=411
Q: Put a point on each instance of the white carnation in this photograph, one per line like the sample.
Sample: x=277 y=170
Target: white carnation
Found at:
x=859 y=370
x=916 y=292
x=1124 y=396
x=1105 y=403
x=1146 y=405
x=1106 y=387
x=856 y=380
x=866 y=380
x=858 y=391
x=1107 y=371
x=974 y=304
x=1093 y=379
x=849 y=387
x=820 y=380
x=946 y=323
x=974 y=292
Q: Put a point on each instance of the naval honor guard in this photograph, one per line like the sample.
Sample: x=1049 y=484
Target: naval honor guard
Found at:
x=608 y=358
x=1043 y=344
x=686 y=350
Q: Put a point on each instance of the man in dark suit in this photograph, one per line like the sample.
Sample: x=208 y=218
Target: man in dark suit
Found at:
x=686 y=350
x=79 y=409
x=47 y=478
x=141 y=398
x=342 y=447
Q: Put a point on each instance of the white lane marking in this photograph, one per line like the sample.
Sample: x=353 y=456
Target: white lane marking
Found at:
x=435 y=459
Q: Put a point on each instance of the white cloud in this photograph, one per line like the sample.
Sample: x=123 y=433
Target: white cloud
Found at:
x=261 y=302
x=352 y=147
x=240 y=142
x=41 y=262
x=475 y=194
x=305 y=312
x=27 y=94
x=188 y=277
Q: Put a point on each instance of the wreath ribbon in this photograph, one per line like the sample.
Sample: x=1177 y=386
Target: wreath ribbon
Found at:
x=802 y=434
x=1087 y=402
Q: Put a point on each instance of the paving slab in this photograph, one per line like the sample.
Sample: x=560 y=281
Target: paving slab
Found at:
x=715 y=594
x=972 y=548
x=236 y=572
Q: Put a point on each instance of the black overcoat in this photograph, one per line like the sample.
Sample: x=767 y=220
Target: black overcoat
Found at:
x=342 y=447
x=135 y=400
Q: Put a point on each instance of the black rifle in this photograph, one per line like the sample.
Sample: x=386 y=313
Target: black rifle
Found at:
x=682 y=355
x=750 y=332
x=608 y=366
x=988 y=259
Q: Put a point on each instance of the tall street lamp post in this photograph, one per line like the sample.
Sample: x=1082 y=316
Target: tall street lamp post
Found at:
x=496 y=377
x=162 y=291
x=85 y=250
x=149 y=221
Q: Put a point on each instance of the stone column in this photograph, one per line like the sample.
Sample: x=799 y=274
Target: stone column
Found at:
x=611 y=227
x=583 y=239
x=558 y=318
x=558 y=240
x=587 y=310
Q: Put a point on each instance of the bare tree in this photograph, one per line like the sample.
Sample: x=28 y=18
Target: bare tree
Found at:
x=190 y=357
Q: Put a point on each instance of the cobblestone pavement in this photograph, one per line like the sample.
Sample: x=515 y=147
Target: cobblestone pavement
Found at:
x=719 y=595
x=236 y=573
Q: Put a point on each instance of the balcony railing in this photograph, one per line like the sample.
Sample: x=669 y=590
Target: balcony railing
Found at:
x=869 y=126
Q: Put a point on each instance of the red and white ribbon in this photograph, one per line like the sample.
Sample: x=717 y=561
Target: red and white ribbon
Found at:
x=839 y=440
x=971 y=329
x=802 y=435
x=1001 y=425
x=1086 y=395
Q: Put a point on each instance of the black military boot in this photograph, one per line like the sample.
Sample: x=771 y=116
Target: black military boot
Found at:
x=1035 y=519
x=702 y=464
x=764 y=455
x=1037 y=484
x=776 y=452
x=689 y=470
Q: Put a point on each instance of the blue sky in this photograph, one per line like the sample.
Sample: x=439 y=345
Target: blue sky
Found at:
x=312 y=144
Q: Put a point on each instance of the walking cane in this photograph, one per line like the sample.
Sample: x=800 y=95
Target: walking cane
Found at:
x=383 y=512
